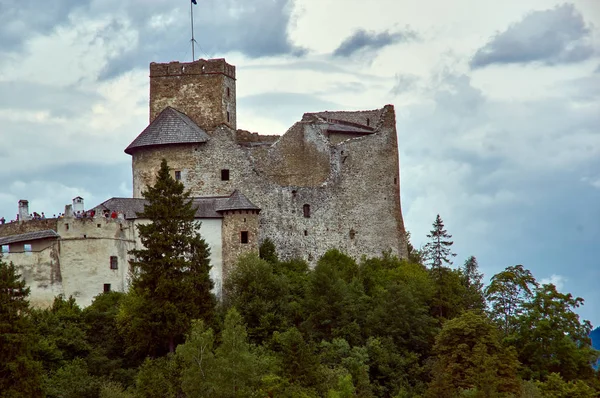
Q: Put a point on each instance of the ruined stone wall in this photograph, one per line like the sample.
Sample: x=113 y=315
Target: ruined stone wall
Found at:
x=204 y=90
x=86 y=246
x=366 y=118
x=352 y=188
x=40 y=269
x=16 y=228
x=336 y=138
x=234 y=222
x=246 y=137
x=300 y=157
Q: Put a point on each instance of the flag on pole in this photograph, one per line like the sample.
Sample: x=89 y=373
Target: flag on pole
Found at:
x=194 y=2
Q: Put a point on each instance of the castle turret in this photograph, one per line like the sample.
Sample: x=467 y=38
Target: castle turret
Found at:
x=239 y=229
x=204 y=90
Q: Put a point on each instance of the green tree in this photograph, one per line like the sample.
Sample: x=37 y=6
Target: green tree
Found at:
x=335 y=300
x=268 y=252
x=508 y=293
x=438 y=254
x=107 y=357
x=233 y=369
x=556 y=387
x=63 y=333
x=73 y=381
x=259 y=295
x=471 y=356
x=414 y=255
x=551 y=338
x=170 y=282
x=19 y=372
x=160 y=378
x=472 y=280
x=437 y=251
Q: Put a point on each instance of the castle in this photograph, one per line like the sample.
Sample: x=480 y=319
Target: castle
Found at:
x=331 y=181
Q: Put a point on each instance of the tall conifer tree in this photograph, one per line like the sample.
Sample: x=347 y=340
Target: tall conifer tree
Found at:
x=20 y=375
x=437 y=252
x=170 y=283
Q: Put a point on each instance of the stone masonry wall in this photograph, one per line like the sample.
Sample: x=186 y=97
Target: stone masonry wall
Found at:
x=40 y=269
x=204 y=90
x=86 y=246
x=234 y=222
x=16 y=228
x=352 y=188
x=365 y=118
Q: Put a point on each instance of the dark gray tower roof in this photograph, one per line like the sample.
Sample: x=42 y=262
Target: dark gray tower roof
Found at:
x=237 y=201
x=169 y=127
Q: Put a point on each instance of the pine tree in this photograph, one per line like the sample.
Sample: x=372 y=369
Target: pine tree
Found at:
x=438 y=253
x=20 y=375
x=170 y=283
x=472 y=280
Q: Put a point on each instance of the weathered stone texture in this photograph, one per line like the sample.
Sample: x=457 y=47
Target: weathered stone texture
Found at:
x=234 y=223
x=40 y=269
x=86 y=247
x=204 y=90
x=16 y=228
x=300 y=157
x=351 y=186
x=366 y=118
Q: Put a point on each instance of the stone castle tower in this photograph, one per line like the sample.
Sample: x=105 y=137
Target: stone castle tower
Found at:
x=331 y=181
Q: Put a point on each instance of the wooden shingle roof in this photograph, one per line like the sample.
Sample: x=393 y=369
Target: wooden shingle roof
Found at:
x=237 y=201
x=169 y=127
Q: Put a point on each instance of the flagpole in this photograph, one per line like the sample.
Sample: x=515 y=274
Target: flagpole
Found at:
x=192 y=20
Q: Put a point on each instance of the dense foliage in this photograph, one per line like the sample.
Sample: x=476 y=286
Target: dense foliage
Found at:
x=379 y=327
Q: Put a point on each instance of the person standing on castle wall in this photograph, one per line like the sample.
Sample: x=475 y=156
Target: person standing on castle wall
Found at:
x=2 y=220
x=113 y=214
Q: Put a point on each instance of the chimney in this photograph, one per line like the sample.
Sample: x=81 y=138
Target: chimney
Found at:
x=78 y=205
x=69 y=211
x=24 y=210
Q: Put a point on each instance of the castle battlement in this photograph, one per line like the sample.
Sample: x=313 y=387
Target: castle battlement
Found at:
x=199 y=67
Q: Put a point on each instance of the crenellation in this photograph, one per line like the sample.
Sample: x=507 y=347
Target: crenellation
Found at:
x=16 y=228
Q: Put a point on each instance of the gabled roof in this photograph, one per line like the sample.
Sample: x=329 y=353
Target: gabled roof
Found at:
x=169 y=127
x=205 y=206
x=48 y=233
x=237 y=201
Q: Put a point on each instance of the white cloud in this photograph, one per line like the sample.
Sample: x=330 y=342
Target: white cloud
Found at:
x=557 y=280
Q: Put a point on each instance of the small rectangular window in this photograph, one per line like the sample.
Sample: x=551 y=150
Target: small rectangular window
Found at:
x=227 y=116
x=225 y=175
x=228 y=92
x=66 y=227
x=177 y=175
x=106 y=287
x=27 y=247
x=114 y=262
x=306 y=210
x=5 y=248
x=244 y=237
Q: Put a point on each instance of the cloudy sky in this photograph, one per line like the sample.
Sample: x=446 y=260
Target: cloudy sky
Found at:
x=497 y=103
